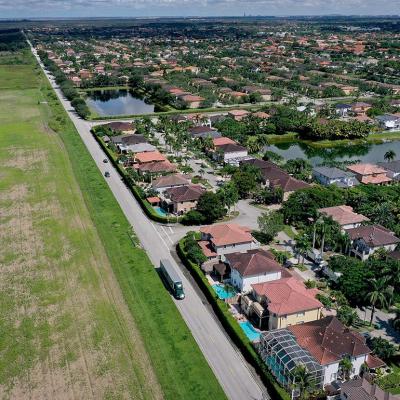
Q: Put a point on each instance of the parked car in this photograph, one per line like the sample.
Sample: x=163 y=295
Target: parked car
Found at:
x=105 y=160
x=107 y=174
x=315 y=256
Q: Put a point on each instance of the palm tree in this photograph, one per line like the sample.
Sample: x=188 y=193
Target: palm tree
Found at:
x=303 y=381
x=390 y=155
x=302 y=245
x=377 y=295
x=345 y=366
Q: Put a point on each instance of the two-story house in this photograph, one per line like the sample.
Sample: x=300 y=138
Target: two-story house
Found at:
x=220 y=239
x=179 y=200
x=334 y=176
x=369 y=174
x=319 y=345
x=344 y=216
x=369 y=238
x=254 y=266
x=286 y=302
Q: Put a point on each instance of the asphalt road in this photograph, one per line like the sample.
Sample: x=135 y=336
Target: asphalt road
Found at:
x=232 y=371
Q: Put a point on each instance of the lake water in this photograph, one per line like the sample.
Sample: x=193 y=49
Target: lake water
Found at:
x=117 y=102
x=366 y=152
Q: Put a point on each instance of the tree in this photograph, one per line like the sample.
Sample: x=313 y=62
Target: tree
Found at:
x=345 y=367
x=302 y=246
x=299 y=168
x=390 y=155
x=211 y=207
x=228 y=194
x=354 y=279
x=270 y=224
x=193 y=250
x=377 y=295
x=246 y=181
x=382 y=348
x=303 y=381
x=348 y=316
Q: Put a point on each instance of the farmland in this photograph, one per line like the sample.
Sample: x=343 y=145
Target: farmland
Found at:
x=76 y=315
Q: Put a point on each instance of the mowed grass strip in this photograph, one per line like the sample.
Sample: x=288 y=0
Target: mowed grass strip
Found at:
x=65 y=329
x=178 y=362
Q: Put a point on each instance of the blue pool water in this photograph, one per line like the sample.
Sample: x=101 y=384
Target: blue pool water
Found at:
x=160 y=211
x=222 y=293
x=250 y=332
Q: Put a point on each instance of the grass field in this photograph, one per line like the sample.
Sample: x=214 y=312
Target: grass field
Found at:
x=83 y=313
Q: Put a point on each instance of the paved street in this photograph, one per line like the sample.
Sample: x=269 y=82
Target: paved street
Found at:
x=232 y=371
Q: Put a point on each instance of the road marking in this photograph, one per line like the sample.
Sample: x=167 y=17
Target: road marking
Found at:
x=167 y=235
x=158 y=233
x=171 y=230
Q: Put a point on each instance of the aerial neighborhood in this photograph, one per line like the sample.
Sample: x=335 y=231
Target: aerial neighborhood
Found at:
x=244 y=177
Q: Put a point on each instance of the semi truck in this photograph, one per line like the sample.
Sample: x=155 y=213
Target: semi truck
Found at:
x=172 y=279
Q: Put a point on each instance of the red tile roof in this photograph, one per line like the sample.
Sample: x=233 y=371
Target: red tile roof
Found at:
x=366 y=169
x=328 y=340
x=206 y=248
x=343 y=215
x=227 y=234
x=223 y=140
x=149 y=156
x=287 y=296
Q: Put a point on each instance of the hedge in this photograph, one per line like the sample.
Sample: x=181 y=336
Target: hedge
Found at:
x=146 y=207
x=231 y=326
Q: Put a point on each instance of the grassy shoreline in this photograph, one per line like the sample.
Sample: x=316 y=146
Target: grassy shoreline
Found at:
x=180 y=367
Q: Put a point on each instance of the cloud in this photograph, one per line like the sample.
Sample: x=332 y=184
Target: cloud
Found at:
x=195 y=7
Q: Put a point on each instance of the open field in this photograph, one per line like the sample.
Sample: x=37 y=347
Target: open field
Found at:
x=65 y=329
x=83 y=313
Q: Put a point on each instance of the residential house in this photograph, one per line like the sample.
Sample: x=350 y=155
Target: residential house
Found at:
x=369 y=174
x=179 y=200
x=389 y=121
x=238 y=115
x=202 y=132
x=254 y=266
x=342 y=110
x=361 y=389
x=192 y=101
x=169 y=181
x=344 y=216
x=392 y=169
x=274 y=177
x=123 y=127
x=366 y=240
x=283 y=302
x=319 y=345
x=360 y=107
x=221 y=239
x=123 y=142
x=228 y=151
x=334 y=176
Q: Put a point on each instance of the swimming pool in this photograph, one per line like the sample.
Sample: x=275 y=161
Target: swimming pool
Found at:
x=160 y=211
x=222 y=292
x=250 y=332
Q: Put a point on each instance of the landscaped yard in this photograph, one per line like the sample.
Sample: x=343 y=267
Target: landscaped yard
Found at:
x=78 y=301
x=391 y=382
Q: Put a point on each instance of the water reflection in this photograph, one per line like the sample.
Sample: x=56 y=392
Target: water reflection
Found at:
x=117 y=102
x=364 y=152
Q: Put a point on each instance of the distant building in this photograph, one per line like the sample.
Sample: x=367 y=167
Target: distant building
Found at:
x=344 y=216
x=369 y=174
x=334 y=176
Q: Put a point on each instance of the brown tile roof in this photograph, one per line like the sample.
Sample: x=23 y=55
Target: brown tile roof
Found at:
x=287 y=296
x=223 y=140
x=185 y=193
x=254 y=262
x=230 y=148
x=120 y=126
x=373 y=235
x=328 y=340
x=374 y=362
x=343 y=215
x=226 y=234
x=170 y=180
x=157 y=166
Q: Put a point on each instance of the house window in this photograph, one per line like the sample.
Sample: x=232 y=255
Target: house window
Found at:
x=301 y=314
x=333 y=376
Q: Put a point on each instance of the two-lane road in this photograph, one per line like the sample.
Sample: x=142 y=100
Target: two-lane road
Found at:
x=231 y=370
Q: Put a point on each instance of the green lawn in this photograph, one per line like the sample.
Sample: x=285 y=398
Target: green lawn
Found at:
x=391 y=382
x=83 y=313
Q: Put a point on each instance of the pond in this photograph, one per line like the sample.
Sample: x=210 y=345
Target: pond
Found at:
x=365 y=152
x=117 y=102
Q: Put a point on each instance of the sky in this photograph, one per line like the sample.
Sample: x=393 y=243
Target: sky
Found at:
x=150 y=8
